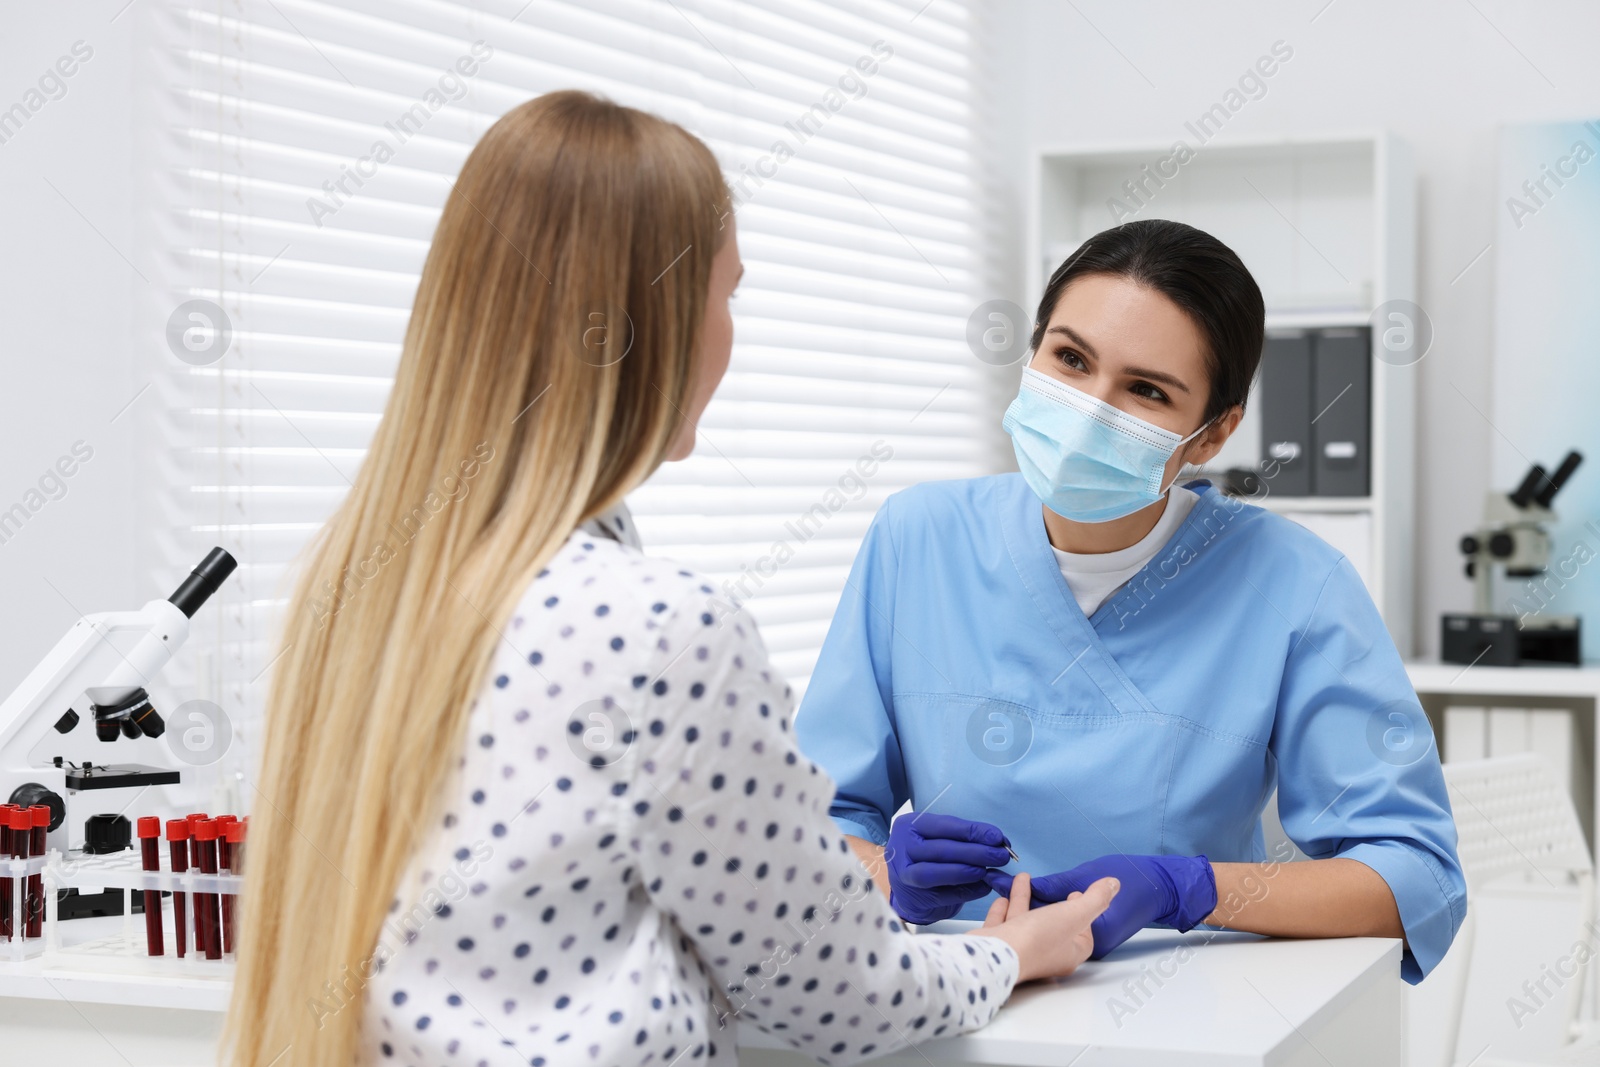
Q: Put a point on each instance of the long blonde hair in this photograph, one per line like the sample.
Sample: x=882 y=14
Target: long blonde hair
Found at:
x=544 y=374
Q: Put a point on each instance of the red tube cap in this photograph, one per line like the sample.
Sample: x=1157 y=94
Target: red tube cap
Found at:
x=149 y=826
x=205 y=830
x=41 y=815
x=21 y=819
x=177 y=829
x=233 y=833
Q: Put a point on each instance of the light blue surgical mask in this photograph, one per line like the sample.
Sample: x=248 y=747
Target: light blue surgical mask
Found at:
x=1086 y=460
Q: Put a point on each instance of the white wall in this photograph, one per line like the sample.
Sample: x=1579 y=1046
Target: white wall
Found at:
x=1442 y=75
x=67 y=364
x=1547 y=381
x=1437 y=73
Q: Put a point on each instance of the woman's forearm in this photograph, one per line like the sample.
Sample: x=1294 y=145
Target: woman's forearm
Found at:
x=1311 y=898
x=871 y=857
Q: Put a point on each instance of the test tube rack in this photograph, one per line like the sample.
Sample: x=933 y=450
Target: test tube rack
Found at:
x=124 y=952
x=16 y=873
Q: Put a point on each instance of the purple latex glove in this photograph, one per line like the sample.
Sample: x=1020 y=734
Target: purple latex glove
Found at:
x=1175 y=891
x=937 y=863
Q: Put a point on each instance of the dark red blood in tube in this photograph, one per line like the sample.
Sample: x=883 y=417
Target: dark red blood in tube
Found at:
x=225 y=824
x=194 y=864
x=149 y=848
x=206 y=903
x=178 y=844
x=234 y=834
x=194 y=842
x=41 y=828
x=21 y=837
x=40 y=816
x=5 y=883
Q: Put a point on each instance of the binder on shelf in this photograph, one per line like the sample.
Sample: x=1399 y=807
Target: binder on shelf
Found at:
x=1341 y=431
x=1285 y=393
x=1316 y=412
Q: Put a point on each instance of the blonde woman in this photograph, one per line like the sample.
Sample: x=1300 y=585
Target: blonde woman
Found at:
x=526 y=796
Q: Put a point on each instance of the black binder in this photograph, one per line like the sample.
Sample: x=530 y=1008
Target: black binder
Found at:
x=1285 y=397
x=1341 y=428
x=1316 y=412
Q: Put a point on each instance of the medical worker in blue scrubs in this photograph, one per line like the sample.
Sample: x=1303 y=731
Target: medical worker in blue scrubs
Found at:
x=1109 y=673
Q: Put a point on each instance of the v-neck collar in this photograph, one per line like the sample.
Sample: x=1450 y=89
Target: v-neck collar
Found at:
x=1028 y=543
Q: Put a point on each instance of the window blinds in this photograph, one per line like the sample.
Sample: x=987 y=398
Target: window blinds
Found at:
x=310 y=145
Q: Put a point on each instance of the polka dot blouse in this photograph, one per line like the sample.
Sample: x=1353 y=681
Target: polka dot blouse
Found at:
x=636 y=857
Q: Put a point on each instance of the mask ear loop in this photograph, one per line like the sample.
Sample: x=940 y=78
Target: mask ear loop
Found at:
x=1204 y=426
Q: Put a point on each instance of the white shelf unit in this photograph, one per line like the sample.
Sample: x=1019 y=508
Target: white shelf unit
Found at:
x=1327 y=225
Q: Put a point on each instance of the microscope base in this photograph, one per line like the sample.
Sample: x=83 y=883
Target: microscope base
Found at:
x=1501 y=641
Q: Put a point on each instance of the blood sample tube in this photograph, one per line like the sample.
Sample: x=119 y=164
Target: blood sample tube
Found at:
x=236 y=840
x=36 y=847
x=194 y=842
x=236 y=836
x=194 y=864
x=21 y=837
x=149 y=848
x=5 y=883
x=225 y=866
x=206 y=903
x=178 y=845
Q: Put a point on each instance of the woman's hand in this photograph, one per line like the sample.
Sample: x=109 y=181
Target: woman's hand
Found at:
x=1175 y=891
x=1050 y=941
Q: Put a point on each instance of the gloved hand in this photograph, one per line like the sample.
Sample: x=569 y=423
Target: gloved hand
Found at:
x=937 y=863
x=1175 y=891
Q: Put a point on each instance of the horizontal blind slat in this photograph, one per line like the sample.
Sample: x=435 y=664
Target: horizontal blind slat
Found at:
x=844 y=127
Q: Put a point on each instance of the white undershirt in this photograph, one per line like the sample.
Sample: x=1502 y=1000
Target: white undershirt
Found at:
x=1094 y=576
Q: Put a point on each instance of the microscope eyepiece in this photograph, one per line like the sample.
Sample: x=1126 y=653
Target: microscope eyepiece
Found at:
x=1523 y=495
x=1540 y=486
x=204 y=580
x=1553 y=484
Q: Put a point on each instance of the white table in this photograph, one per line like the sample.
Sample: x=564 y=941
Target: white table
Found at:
x=65 y=1013
x=1441 y=685
x=1237 y=1000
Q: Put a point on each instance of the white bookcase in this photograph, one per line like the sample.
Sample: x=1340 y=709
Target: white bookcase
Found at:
x=1327 y=225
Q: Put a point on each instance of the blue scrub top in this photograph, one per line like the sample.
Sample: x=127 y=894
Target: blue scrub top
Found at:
x=959 y=674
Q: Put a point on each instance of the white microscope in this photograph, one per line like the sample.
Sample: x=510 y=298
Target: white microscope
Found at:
x=103 y=667
x=1514 y=537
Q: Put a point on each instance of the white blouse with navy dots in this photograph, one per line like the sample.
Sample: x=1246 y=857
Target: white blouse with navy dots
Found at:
x=635 y=857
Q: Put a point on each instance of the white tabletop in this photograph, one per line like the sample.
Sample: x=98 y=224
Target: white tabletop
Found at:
x=1556 y=681
x=1231 y=999
x=132 y=980
x=1213 y=998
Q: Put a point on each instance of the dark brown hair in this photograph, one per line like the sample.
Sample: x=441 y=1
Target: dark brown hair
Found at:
x=1194 y=270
